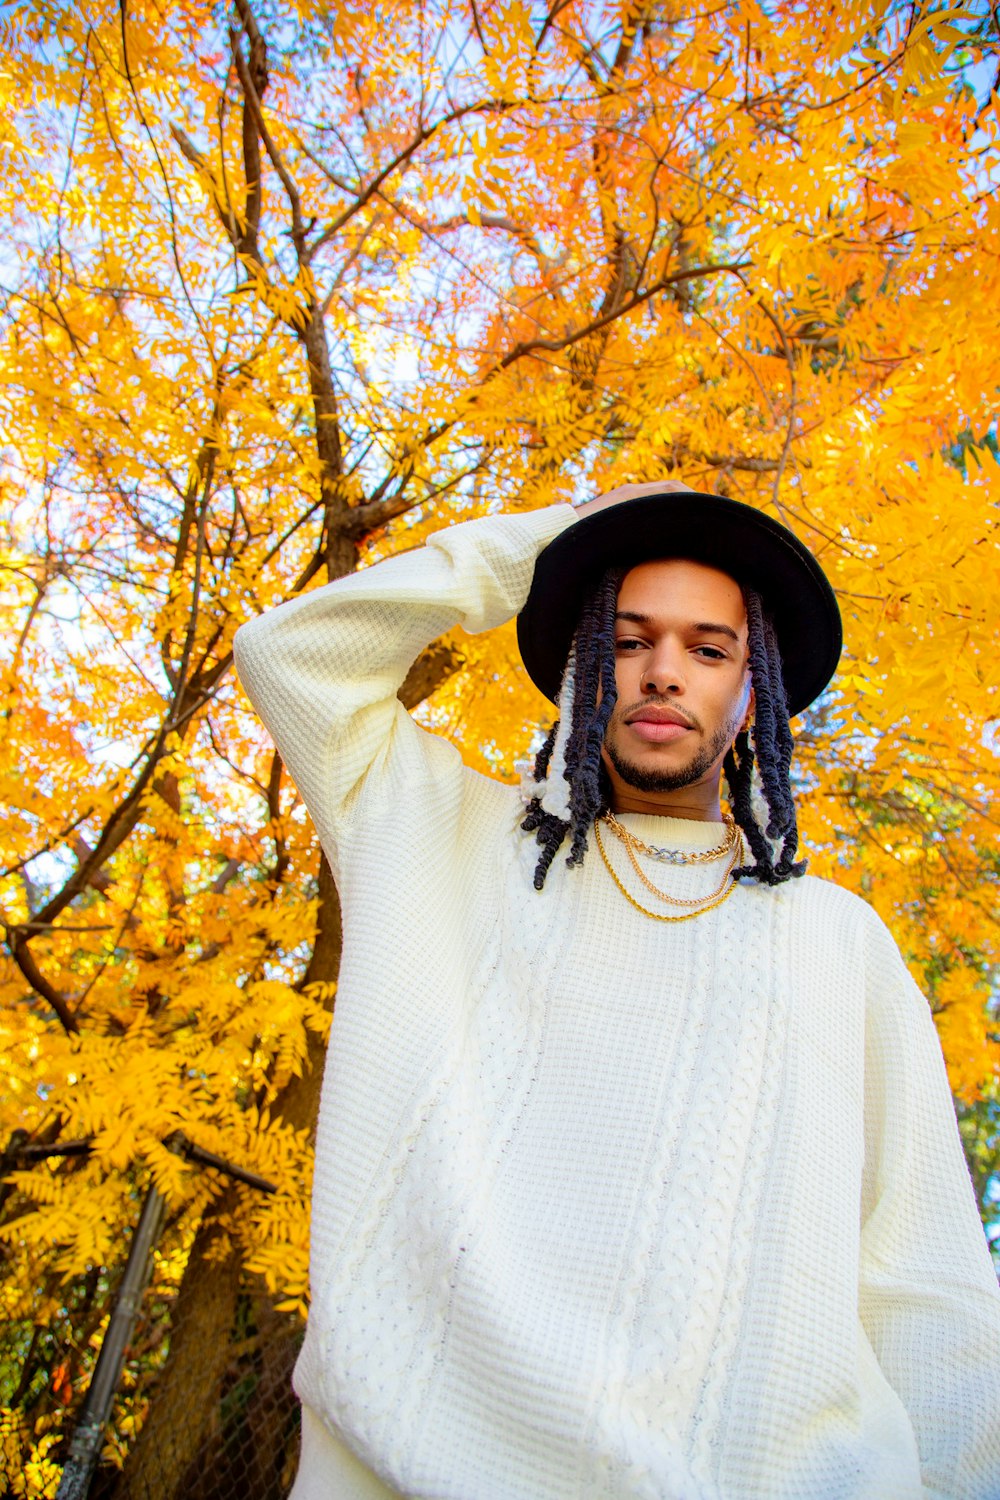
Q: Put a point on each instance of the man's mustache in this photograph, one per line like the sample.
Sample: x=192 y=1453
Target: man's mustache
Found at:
x=622 y=712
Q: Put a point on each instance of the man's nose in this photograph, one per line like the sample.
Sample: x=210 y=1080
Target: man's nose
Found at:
x=664 y=671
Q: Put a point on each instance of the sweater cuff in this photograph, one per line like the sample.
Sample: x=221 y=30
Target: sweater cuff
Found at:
x=493 y=560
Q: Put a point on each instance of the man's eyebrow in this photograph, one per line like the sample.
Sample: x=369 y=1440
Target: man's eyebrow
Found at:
x=704 y=627
x=711 y=628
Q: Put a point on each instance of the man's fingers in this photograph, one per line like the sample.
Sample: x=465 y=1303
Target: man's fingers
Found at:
x=632 y=492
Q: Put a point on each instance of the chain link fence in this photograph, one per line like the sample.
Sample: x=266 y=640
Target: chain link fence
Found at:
x=239 y=1440
x=164 y=1377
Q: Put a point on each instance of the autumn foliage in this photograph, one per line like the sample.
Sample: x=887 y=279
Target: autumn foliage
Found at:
x=287 y=289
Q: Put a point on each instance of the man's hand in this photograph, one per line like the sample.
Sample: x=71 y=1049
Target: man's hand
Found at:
x=630 y=492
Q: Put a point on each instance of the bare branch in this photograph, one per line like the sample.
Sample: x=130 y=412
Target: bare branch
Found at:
x=494 y=221
x=789 y=354
x=191 y=153
x=254 y=37
x=25 y=960
x=554 y=346
x=227 y=219
x=281 y=856
x=740 y=462
x=479 y=30
x=554 y=10
x=379 y=512
x=277 y=161
x=252 y=174
x=369 y=191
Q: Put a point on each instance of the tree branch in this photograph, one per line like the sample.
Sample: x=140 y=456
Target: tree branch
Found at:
x=366 y=193
x=493 y=221
x=252 y=175
x=380 y=511
x=252 y=98
x=25 y=960
x=740 y=462
x=281 y=856
x=191 y=153
x=789 y=354
x=554 y=346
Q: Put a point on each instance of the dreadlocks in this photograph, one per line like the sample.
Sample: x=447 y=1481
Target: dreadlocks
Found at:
x=570 y=787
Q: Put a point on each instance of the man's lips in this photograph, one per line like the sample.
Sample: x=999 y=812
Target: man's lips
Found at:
x=658 y=725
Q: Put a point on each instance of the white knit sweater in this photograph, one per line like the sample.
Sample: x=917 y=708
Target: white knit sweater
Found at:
x=605 y=1207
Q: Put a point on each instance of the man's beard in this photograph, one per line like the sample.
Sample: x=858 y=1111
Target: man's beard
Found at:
x=643 y=780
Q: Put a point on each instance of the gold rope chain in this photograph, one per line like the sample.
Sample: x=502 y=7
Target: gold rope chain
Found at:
x=676 y=856
x=659 y=916
x=680 y=900
x=731 y=845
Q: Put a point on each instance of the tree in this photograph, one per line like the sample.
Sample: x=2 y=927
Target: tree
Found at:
x=284 y=292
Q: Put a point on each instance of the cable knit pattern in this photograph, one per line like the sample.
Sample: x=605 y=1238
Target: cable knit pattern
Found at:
x=605 y=1209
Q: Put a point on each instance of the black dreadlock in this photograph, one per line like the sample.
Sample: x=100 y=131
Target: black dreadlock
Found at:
x=594 y=663
x=593 y=659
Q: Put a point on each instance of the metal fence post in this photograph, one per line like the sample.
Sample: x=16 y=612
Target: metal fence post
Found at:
x=85 y=1448
x=88 y=1435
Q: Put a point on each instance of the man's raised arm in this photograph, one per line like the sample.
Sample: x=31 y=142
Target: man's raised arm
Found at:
x=323 y=670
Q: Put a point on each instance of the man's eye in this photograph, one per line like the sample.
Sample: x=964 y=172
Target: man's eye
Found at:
x=627 y=643
x=714 y=654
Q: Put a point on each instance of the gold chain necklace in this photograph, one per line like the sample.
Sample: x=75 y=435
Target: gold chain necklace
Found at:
x=659 y=916
x=730 y=845
x=680 y=900
x=676 y=856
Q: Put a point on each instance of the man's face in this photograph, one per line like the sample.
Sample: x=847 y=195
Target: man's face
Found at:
x=682 y=674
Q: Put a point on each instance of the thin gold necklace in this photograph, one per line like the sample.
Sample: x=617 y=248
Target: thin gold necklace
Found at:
x=658 y=916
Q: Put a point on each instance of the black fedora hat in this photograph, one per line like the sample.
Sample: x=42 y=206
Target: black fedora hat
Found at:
x=750 y=546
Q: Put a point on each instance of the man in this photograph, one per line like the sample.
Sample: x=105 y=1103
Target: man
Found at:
x=637 y=1172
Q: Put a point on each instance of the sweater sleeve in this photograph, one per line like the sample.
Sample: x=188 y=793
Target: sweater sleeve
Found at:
x=929 y=1299
x=323 y=670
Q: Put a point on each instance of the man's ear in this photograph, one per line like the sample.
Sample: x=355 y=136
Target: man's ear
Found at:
x=751 y=705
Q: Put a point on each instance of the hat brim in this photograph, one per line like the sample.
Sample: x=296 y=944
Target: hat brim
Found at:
x=726 y=534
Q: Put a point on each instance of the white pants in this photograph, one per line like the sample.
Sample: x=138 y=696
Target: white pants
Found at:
x=328 y=1470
